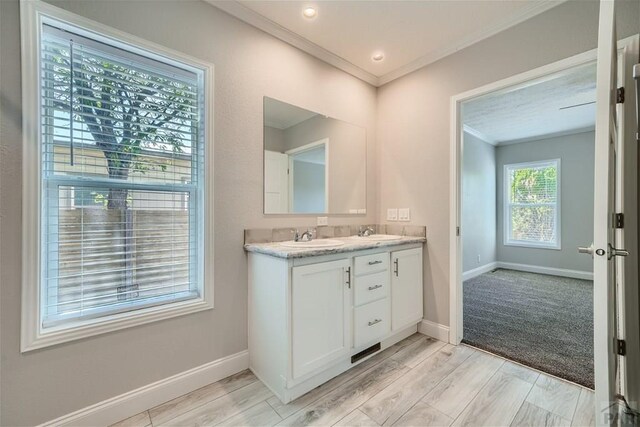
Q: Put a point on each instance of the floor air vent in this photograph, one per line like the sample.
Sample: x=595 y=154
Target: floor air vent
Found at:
x=364 y=353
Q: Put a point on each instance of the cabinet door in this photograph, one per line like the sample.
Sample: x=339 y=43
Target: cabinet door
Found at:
x=406 y=288
x=320 y=315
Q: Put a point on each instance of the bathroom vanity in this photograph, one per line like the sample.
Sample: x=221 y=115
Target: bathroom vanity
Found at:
x=315 y=312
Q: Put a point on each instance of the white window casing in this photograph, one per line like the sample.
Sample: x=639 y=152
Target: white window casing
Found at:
x=117 y=179
x=532 y=215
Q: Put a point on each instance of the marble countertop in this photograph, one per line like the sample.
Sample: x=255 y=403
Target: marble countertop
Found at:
x=351 y=244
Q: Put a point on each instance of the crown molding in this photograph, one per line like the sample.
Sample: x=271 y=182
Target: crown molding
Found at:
x=432 y=57
x=243 y=13
x=481 y=136
x=253 y=18
x=547 y=136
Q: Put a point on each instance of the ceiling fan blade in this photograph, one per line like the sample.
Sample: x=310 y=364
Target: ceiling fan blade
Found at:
x=577 y=105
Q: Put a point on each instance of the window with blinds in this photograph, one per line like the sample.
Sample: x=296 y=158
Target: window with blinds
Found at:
x=532 y=209
x=122 y=166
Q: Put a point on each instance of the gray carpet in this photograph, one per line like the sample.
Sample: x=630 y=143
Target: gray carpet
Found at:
x=545 y=322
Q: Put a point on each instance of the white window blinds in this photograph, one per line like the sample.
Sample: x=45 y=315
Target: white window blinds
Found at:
x=532 y=214
x=122 y=160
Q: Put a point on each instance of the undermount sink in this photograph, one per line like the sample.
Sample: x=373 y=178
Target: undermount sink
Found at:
x=379 y=237
x=320 y=243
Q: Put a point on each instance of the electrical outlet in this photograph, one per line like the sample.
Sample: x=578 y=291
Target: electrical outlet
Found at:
x=404 y=214
x=323 y=220
x=392 y=214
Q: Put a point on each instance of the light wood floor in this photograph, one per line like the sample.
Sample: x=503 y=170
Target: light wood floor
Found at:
x=417 y=382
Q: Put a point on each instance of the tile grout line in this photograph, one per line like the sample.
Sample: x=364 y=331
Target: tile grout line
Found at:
x=408 y=372
x=528 y=367
x=204 y=403
x=479 y=391
x=248 y=409
x=525 y=400
x=354 y=378
x=274 y=409
x=575 y=410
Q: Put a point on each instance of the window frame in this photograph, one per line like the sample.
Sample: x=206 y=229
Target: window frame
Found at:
x=33 y=336
x=507 y=240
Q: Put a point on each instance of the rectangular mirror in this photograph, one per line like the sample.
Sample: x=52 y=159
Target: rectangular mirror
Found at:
x=313 y=164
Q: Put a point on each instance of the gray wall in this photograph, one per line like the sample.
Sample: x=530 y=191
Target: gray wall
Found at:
x=413 y=120
x=274 y=139
x=347 y=158
x=576 y=154
x=478 y=203
x=44 y=384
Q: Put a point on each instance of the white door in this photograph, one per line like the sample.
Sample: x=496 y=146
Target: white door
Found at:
x=406 y=288
x=604 y=265
x=276 y=182
x=320 y=315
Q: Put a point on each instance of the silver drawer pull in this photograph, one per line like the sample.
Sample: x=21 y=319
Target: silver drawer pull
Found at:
x=375 y=262
x=373 y=288
x=374 y=322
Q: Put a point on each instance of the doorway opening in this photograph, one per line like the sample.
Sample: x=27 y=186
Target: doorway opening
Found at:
x=627 y=322
x=527 y=204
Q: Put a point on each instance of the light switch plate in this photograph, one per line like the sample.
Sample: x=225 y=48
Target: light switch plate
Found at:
x=323 y=220
x=392 y=214
x=404 y=214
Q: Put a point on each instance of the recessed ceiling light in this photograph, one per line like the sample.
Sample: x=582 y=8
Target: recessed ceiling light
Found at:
x=378 y=56
x=310 y=12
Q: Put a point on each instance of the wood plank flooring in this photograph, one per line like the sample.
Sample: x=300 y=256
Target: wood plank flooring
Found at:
x=416 y=382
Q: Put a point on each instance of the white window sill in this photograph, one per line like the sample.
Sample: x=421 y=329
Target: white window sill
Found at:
x=87 y=328
x=532 y=245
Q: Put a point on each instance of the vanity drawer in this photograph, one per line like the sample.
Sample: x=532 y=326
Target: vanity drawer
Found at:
x=371 y=263
x=371 y=287
x=371 y=322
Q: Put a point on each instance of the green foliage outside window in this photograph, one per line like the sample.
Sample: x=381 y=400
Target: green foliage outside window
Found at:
x=533 y=197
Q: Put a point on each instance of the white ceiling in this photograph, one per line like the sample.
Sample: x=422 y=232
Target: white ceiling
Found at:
x=536 y=109
x=281 y=115
x=410 y=33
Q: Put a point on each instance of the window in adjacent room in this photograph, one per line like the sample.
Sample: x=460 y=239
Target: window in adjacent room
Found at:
x=532 y=204
x=121 y=162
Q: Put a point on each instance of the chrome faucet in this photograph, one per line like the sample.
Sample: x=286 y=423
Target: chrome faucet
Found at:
x=366 y=231
x=297 y=237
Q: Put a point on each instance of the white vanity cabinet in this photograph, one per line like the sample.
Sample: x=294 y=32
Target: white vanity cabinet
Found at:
x=313 y=317
x=406 y=288
x=320 y=314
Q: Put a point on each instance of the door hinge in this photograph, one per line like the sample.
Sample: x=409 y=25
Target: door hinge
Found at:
x=620 y=95
x=621 y=347
x=457 y=231
x=618 y=220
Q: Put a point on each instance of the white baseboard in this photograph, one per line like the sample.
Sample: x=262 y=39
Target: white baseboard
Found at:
x=434 y=330
x=470 y=274
x=133 y=402
x=576 y=274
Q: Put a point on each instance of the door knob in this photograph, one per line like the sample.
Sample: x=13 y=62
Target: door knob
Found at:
x=586 y=250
